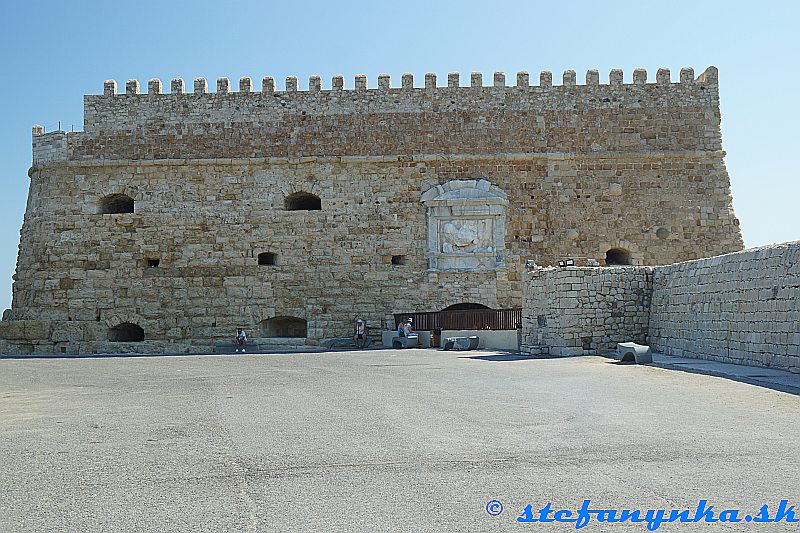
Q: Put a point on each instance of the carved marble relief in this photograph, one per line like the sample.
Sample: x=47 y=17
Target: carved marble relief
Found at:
x=466 y=225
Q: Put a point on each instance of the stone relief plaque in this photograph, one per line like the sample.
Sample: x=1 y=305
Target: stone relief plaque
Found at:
x=466 y=225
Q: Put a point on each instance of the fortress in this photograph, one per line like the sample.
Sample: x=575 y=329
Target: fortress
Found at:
x=174 y=218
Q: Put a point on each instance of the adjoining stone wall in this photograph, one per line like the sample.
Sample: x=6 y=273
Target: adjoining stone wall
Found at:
x=741 y=308
x=584 y=310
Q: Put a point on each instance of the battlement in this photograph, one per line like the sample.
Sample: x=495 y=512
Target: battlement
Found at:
x=429 y=115
x=569 y=79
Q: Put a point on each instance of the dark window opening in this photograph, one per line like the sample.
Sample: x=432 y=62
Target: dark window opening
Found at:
x=153 y=263
x=266 y=258
x=116 y=203
x=284 y=326
x=618 y=256
x=398 y=260
x=126 y=332
x=303 y=201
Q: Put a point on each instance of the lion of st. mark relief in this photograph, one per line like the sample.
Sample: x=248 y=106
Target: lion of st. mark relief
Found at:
x=466 y=236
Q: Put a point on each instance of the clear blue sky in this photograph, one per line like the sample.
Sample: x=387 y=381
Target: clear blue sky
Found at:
x=54 y=52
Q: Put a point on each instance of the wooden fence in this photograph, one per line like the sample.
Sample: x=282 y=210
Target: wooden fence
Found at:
x=470 y=319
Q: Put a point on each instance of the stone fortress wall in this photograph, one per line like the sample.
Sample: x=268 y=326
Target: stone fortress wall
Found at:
x=426 y=197
x=741 y=307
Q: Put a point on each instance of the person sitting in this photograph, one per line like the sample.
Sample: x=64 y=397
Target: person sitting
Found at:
x=360 y=334
x=241 y=340
x=407 y=329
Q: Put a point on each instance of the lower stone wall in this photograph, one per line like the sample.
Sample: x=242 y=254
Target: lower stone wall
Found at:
x=585 y=310
x=742 y=307
x=43 y=337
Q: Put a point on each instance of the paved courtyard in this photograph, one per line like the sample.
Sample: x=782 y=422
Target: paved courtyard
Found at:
x=382 y=440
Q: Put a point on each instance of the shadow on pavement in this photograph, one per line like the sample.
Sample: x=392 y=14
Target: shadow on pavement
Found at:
x=750 y=380
x=787 y=383
x=135 y=355
x=305 y=350
x=506 y=357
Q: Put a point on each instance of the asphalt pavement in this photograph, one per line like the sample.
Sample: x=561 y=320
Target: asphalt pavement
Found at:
x=380 y=440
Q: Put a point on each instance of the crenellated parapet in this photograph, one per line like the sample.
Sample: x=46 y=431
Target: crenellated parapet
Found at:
x=360 y=82
x=565 y=112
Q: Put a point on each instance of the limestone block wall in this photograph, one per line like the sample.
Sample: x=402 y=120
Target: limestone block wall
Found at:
x=585 y=310
x=742 y=307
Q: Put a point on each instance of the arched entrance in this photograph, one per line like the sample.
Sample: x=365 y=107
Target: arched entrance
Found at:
x=618 y=256
x=126 y=332
x=465 y=307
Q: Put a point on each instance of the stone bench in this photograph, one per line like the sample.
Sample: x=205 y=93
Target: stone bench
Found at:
x=423 y=338
x=461 y=343
x=630 y=351
x=411 y=341
x=345 y=342
x=230 y=347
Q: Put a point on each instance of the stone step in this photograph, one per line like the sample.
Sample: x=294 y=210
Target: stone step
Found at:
x=534 y=349
x=262 y=344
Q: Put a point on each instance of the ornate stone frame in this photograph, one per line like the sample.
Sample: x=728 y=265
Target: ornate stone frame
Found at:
x=466 y=225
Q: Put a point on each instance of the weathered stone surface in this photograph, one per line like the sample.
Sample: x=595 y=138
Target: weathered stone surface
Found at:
x=211 y=176
x=25 y=330
x=12 y=330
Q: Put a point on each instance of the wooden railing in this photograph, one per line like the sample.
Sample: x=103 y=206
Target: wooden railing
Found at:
x=471 y=319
